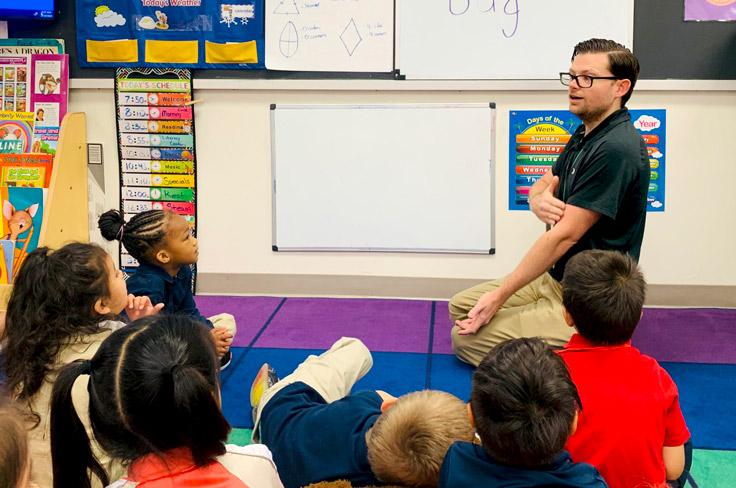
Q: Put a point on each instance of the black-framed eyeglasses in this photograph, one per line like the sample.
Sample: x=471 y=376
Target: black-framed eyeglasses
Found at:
x=583 y=81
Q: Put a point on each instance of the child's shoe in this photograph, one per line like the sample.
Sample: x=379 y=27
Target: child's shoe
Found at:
x=265 y=379
x=225 y=360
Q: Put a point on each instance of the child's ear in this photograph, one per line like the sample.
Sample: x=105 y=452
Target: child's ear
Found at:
x=471 y=417
x=163 y=256
x=568 y=318
x=388 y=404
x=101 y=306
x=574 y=425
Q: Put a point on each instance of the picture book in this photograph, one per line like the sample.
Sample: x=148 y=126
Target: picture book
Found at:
x=26 y=170
x=22 y=217
x=16 y=132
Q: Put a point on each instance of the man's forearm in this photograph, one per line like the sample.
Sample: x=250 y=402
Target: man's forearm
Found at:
x=545 y=252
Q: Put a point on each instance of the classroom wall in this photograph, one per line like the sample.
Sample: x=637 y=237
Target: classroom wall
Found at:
x=691 y=243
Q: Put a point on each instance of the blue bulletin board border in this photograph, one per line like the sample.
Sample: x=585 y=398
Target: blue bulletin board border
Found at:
x=536 y=137
x=205 y=34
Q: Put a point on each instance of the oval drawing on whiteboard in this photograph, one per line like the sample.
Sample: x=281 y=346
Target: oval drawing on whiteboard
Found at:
x=289 y=40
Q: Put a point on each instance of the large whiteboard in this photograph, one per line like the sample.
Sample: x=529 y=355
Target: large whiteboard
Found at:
x=502 y=39
x=383 y=177
x=328 y=35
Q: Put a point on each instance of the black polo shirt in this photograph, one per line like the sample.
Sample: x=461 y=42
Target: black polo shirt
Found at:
x=607 y=172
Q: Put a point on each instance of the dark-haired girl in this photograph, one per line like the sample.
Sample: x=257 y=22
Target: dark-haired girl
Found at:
x=165 y=248
x=63 y=305
x=154 y=404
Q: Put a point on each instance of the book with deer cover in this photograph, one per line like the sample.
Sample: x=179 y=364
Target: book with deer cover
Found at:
x=22 y=217
x=26 y=170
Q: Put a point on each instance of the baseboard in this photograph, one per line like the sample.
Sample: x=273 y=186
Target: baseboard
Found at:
x=426 y=288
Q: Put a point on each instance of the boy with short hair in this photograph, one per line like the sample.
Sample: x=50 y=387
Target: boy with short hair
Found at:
x=632 y=428
x=524 y=406
x=317 y=431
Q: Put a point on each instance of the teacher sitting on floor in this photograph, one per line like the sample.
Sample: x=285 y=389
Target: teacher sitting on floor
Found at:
x=594 y=197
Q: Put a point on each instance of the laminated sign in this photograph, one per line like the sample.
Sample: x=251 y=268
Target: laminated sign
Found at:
x=181 y=33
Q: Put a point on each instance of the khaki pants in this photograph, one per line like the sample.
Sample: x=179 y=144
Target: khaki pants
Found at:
x=534 y=311
x=224 y=320
x=332 y=374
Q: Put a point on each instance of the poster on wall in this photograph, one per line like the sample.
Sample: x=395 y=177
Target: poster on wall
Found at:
x=156 y=144
x=710 y=10
x=222 y=34
x=537 y=137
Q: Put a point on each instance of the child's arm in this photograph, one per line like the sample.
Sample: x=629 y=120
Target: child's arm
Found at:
x=674 y=461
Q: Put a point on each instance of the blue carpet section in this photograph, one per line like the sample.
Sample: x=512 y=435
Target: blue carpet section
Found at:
x=708 y=401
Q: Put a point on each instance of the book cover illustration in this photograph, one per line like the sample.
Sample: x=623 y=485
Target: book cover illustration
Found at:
x=22 y=217
x=26 y=170
x=16 y=132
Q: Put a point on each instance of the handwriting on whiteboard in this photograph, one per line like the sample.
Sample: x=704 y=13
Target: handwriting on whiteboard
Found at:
x=510 y=10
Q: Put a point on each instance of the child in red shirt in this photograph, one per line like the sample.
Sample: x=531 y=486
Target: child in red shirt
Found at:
x=630 y=427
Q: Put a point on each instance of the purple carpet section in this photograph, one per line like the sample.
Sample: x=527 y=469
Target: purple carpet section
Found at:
x=675 y=335
x=250 y=313
x=442 y=326
x=697 y=335
x=384 y=325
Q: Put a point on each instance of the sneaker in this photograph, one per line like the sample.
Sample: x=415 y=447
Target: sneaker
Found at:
x=225 y=360
x=265 y=379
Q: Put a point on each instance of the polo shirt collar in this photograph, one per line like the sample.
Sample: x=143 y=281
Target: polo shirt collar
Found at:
x=619 y=116
x=579 y=342
x=159 y=271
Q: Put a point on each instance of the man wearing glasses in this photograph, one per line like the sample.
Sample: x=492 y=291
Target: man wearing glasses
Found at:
x=594 y=197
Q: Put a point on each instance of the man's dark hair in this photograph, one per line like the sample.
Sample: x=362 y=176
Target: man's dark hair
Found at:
x=623 y=63
x=604 y=292
x=524 y=403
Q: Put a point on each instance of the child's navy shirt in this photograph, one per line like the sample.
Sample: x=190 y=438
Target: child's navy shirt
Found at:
x=175 y=292
x=468 y=465
x=312 y=440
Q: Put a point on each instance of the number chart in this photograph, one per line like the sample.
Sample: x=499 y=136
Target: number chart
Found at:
x=156 y=145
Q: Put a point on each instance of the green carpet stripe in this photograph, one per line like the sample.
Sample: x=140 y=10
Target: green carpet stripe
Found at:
x=714 y=469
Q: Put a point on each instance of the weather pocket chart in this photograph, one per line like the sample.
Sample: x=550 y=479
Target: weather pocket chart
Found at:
x=180 y=33
x=156 y=144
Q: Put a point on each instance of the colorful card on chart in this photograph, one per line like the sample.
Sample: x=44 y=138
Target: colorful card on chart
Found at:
x=157 y=193
x=156 y=126
x=143 y=166
x=154 y=99
x=157 y=140
x=537 y=137
x=155 y=113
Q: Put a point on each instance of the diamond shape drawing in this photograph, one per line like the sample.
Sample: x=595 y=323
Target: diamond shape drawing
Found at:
x=351 y=37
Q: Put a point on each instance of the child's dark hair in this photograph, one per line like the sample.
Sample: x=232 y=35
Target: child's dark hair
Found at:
x=52 y=302
x=153 y=387
x=141 y=236
x=13 y=447
x=524 y=403
x=604 y=292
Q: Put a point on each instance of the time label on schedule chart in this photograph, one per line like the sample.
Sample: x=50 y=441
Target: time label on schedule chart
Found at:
x=143 y=166
x=147 y=113
x=157 y=140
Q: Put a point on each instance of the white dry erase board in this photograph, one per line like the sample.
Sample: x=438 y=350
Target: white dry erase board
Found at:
x=502 y=39
x=357 y=35
x=413 y=178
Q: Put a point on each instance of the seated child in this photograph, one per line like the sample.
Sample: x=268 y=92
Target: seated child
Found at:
x=15 y=457
x=164 y=246
x=524 y=406
x=64 y=303
x=154 y=405
x=631 y=427
x=317 y=431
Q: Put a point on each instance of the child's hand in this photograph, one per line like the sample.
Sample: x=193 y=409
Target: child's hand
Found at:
x=223 y=338
x=139 y=307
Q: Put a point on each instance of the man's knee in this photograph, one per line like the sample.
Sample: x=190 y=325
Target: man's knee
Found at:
x=456 y=307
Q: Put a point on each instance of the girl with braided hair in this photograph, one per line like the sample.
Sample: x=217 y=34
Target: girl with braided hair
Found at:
x=63 y=304
x=165 y=248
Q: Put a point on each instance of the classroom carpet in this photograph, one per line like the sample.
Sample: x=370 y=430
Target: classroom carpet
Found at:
x=410 y=342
